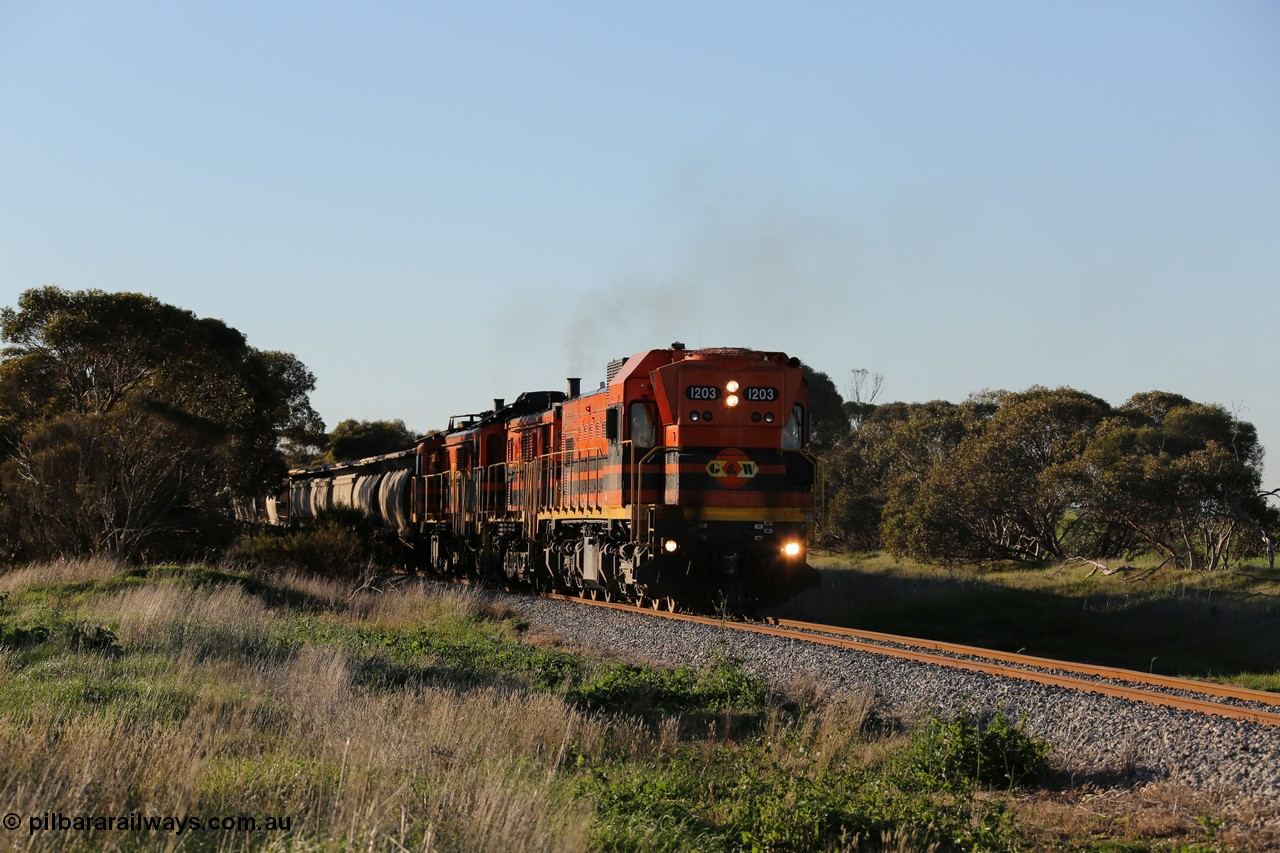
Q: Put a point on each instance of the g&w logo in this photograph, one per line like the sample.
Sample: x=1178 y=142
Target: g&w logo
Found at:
x=732 y=469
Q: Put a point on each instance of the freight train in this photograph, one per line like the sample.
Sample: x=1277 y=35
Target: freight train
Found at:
x=682 y=481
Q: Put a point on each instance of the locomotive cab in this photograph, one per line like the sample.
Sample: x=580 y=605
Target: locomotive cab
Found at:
x=734 y=514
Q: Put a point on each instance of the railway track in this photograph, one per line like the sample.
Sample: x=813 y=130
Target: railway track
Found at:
x=1179 y=693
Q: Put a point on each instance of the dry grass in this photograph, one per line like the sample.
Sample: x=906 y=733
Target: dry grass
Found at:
x=182 y=619
x=1161 y=814
x=209 y=717
x=61 y=572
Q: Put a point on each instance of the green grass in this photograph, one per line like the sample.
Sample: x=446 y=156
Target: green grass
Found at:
x=720 y=689
x=1224 y=627
x=759 y=798
x=414 y=718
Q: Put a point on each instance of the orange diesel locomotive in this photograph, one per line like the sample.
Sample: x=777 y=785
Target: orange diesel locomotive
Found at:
x=683 y=480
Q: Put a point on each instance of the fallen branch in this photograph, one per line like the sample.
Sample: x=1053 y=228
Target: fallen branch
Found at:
x=1260 y=593
x=1099 y=566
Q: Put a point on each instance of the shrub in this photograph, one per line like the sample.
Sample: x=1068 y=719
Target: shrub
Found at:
x=722 y=686
x=954 y=754
x=341 y=541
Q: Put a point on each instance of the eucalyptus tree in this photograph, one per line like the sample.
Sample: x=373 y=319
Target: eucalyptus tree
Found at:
x=920 y=443
x=1183 y=478
x=131 y=425
x=352 y=439
x=828 y=423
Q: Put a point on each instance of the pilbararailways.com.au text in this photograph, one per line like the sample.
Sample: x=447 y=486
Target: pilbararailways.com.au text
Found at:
x=139 y=822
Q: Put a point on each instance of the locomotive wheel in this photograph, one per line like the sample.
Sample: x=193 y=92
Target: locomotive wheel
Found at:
x=669 y=604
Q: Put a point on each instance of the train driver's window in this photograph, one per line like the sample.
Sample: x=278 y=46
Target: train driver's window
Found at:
x=641 y=425
x=793 y=434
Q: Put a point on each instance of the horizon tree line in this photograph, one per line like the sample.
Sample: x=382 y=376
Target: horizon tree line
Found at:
x=130 y=428
x=1045 y=474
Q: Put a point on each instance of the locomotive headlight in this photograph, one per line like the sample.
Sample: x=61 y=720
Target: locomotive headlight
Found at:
x=768 y=417
x=791 y=549
x=732 y=386
x=731 y=400
x=670 y=546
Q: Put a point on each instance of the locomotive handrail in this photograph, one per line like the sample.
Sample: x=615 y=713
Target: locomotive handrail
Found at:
x=574 y=496
x=537 y=489
x=636 y=478
x=494 y=501
x=437 y=509
x=458 y=503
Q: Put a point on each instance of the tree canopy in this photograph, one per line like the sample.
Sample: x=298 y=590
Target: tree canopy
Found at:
x=127 y=424
x=827 y=418
x=1051 y=474
x=352 y=439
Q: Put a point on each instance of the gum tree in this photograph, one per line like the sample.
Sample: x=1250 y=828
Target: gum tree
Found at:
x=129 y=425
x=1183 y=477
x=992 y=493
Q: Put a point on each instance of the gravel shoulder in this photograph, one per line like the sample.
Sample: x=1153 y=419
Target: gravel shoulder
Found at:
x=1097 y=739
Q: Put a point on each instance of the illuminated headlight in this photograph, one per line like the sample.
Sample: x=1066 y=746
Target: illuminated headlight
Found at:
x=768 y=417
x=670 y=546
x=693 y=416
x=791 y=549
x=732 y=387
x=731 y=400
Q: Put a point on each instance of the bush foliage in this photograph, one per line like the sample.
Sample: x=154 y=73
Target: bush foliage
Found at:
x=129 y=427
x=953 y=754
x=1049 y=474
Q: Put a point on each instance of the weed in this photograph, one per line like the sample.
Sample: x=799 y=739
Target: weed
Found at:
x=87 y=637
x=956 y=753
x=340 y=542
x=758 y=797
x=723 y=688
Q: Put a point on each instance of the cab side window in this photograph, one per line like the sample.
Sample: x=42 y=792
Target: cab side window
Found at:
x=641 y=425
x=793 y=434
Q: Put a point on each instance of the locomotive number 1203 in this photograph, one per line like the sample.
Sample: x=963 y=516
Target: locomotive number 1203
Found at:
x=702 y=392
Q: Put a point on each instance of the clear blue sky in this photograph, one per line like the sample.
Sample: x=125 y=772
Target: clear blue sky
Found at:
x=432 y=205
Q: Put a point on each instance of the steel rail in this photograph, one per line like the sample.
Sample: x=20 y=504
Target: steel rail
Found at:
x=1004 y=670
x=1227 y=691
